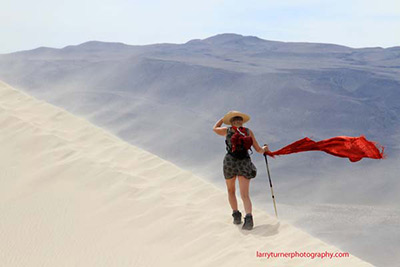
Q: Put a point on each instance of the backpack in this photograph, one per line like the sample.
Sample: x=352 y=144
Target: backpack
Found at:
x=240 y=141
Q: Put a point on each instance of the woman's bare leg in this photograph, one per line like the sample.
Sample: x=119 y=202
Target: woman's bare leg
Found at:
x=231 y=186
x=244 y=185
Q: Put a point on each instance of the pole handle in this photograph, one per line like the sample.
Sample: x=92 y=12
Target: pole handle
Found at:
x=265 y=153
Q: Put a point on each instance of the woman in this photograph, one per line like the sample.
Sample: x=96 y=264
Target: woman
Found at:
x=233 y=167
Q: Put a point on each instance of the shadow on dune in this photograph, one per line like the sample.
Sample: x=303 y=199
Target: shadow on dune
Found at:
x=262 y=230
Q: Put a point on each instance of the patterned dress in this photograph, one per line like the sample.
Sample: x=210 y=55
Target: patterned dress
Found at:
x=233 y=166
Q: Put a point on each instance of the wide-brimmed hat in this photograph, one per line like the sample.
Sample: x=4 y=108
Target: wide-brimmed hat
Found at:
x=234 y=113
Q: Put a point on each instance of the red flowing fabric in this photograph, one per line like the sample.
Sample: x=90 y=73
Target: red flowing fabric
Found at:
x=354 y=148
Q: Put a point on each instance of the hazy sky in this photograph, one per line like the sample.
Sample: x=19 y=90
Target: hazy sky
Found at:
x=356 y=23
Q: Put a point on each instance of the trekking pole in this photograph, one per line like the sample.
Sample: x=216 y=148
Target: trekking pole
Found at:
x=270 y=184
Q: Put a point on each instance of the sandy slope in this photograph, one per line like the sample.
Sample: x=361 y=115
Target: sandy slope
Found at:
x=72 y=194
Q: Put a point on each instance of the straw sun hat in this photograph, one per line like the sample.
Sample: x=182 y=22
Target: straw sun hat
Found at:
x=234 y=113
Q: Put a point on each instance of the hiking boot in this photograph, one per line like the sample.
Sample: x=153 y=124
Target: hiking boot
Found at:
x=248 y=222
x=237 y=217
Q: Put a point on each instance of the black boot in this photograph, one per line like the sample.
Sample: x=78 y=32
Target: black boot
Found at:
x=237 y=217
x=248 y=222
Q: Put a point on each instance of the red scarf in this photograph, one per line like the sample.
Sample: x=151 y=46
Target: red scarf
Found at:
x=354 y=148
x=241 y=129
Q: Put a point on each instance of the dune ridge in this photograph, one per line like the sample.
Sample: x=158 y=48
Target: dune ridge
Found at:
x=73 y=194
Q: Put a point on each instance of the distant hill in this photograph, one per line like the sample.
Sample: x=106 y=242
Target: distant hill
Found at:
x=166 y=98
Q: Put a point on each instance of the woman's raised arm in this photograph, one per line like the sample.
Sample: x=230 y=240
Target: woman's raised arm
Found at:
x=218 y=129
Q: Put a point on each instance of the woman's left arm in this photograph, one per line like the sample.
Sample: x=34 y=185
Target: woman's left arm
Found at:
x=257 y=147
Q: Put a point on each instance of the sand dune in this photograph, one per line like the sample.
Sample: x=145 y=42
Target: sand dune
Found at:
x=72 y=194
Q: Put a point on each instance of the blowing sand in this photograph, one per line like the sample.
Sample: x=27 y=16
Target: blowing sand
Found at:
x=72 y=194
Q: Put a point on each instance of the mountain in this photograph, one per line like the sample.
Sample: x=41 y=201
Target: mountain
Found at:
x=166 y=98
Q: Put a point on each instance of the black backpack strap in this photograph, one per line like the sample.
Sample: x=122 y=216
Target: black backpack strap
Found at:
x=228 y=147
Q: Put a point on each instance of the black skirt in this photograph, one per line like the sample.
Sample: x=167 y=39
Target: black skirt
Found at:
x=242 y=167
